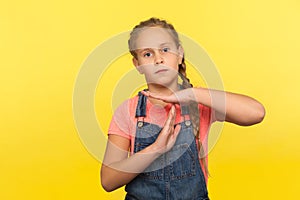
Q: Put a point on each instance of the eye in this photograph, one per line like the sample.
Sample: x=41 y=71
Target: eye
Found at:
x=165 y=49
x=147 y=54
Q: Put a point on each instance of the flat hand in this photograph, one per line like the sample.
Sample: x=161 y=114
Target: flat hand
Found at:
x=182 y=96
x=168 y=135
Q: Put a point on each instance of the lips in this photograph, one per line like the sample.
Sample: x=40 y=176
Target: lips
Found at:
x=161 y=71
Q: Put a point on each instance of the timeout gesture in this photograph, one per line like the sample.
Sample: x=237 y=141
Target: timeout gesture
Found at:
x=179 y=97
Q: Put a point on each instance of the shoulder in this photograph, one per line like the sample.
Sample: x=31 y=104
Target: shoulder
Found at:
x=126 y=108
x=123 y=119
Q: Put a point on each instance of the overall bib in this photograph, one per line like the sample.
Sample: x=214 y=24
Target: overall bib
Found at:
x=176 y=174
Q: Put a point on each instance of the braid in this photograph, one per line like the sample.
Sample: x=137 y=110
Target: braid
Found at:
x=195 y=113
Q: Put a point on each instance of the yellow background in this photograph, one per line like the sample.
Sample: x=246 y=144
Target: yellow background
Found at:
x=255 y=45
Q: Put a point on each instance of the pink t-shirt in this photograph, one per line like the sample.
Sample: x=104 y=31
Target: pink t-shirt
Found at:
x=124 y=121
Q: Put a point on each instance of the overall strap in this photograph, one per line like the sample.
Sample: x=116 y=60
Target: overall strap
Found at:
x=184 y=110
x=140 y=112
x=141 y=106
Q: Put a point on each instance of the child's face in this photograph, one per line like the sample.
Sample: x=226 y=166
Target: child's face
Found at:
x=157 y=56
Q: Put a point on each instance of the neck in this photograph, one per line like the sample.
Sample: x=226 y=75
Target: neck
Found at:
x=163 y=90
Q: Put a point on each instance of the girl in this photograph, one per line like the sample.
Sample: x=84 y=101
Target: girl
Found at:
x=165 y=127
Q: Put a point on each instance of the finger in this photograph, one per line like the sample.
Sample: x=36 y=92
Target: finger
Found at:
x=146 y=93
x=170 y=120
x=171 y=116
x=174 y=135
x=155 y=96
x=166 y=98
x=169 y=99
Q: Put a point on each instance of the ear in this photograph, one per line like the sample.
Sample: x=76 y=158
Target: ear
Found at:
x=180 y=54
x=136 y=64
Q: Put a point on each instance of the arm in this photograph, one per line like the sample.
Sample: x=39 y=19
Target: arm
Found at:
x=231 y=107
x=118 y=169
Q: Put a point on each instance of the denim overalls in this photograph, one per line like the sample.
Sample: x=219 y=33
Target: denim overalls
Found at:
x=174 y=175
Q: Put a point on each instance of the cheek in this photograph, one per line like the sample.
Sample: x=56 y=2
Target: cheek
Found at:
x=173 y=62
x=145 y=61
x=147 y=68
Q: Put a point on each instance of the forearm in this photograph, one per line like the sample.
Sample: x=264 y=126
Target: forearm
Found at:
x=231 y=107
x=117 y=174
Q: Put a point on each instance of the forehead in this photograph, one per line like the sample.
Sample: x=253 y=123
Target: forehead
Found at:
x=153 y=37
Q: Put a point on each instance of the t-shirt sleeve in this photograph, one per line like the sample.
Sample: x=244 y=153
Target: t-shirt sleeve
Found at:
x=206 y=119
x=212 y=115
x=121 y=121
x=207 y=114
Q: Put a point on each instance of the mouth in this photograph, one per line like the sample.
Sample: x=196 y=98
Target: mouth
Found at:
x=161 y=71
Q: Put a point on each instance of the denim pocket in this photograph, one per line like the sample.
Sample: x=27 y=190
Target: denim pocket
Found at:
x=182 y=161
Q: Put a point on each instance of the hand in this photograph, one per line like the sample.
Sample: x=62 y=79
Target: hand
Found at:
x=168 y=135
x=180 y=97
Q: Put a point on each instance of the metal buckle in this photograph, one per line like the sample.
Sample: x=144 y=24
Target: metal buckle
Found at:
x=140 y=124
x=188 y=123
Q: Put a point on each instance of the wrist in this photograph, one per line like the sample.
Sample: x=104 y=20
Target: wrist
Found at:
x=154 y=150
x=196 y=94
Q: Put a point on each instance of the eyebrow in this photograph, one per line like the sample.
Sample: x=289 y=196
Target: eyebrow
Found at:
x=147 y=49
x=142 y=50
x=165 y=43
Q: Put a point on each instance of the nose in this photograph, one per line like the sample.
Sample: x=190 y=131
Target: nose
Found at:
x=158 y=59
